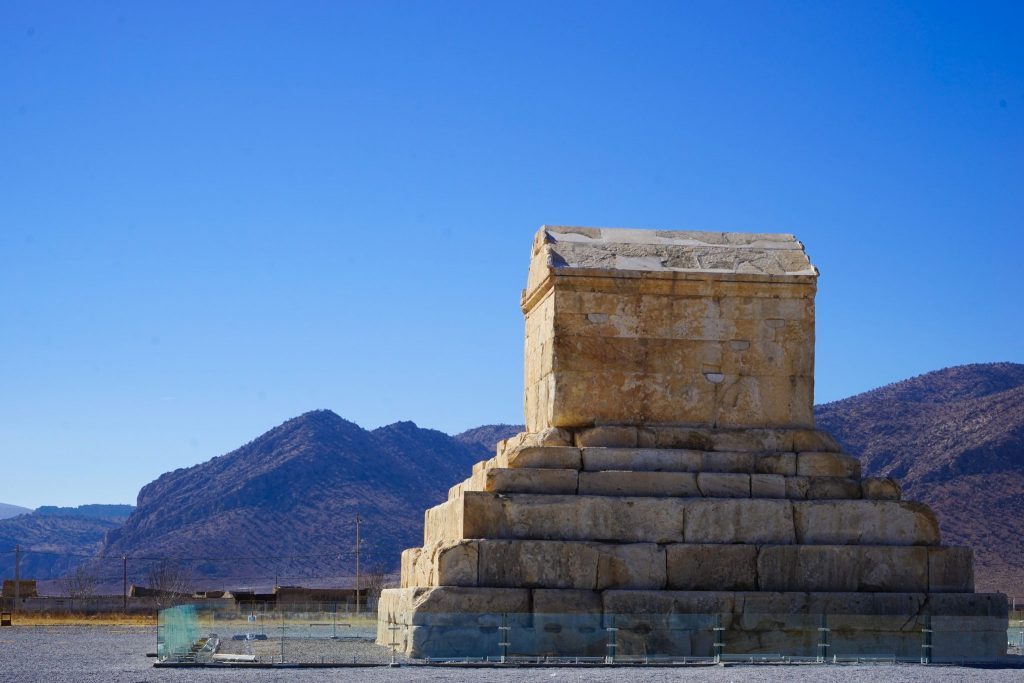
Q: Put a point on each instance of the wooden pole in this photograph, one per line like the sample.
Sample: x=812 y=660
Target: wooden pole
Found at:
x=17 y=576
x=357 y=564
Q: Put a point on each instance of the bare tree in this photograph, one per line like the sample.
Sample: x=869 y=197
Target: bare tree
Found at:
x=374 y=581
x=80 y=582
x=169 y=580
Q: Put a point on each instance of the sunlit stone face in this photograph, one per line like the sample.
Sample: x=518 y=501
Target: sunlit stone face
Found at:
x=668 y=327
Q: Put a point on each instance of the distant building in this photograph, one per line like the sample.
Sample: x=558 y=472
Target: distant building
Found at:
x=27 y=588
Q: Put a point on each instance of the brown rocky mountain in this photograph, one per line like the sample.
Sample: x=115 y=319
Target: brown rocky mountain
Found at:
x=55 y=539
x=488 y=436
x=955 y=440
x=282 y=508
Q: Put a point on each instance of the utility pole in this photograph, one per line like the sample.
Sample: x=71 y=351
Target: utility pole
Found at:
x=357 y=563
x=17 y=576
x=124 y=582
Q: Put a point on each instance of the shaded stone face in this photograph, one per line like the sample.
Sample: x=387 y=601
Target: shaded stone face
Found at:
x=664 y=327
x=670 y=478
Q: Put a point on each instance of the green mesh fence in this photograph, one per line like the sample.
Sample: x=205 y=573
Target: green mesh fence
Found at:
x=177 y=631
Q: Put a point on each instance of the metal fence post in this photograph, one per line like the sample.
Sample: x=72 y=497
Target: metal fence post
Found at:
x=823 y=645
x=609 y=657
x=504 y=629
x=719 y=646
x=926 y=640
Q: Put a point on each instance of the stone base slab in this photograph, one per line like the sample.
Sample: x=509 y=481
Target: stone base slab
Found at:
x=466 y=622
x=626 y=519
x=682 y=566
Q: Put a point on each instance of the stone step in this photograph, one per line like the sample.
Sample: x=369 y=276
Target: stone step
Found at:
x=673 y=484
x=786 y=463
x=466 y=621
x=684 y=566
x=675 y=436
x=627 y=519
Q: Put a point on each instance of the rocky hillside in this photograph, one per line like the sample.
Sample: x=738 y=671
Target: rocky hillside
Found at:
x=955 y=440
x=60 y=538
x=282 y=509
x=488 y=436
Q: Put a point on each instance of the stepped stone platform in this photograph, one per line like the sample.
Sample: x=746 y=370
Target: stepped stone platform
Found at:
x=671 y=481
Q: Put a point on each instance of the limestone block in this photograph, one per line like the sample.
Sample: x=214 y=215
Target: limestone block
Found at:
x=776 y=463
x=637 y=566
x=611 y=483
x=711 y=567
x=797 y=487
x=444 y=522
x=543 y=564
x=409 y=558
x=685 y=438
x=824 y=464
x=843 y=568
x=723 y=485
x=767 y=486
x=530 y=480
x=865 y=522
x=726 y=461
x=642 y=459
x=607 y=436
x=550 y=437
x=950 y=570
x=812 y=440
x=559 y=517
x=452 y=564
x=880 y=488
x=755 y=440
x=738 y=521
x=456 y=491
x=568 y=621
x=552 y=601
x=832 y=488
x=541 y=457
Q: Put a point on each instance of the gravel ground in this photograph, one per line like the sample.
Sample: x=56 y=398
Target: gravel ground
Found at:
x=56 y=654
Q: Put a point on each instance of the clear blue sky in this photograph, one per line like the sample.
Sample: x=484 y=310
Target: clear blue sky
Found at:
x=215 y=216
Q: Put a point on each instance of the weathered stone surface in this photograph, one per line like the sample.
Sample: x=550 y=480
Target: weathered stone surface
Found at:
x=642 y=459
x=718 y=347
x=452 y=564
x=409 y=576
x=738 y=521
x=609 y=436
x=950 y=570
x=538 y=564
x=711 y=567
x=822 y=464
x=556 y=517
x=723 y=485
x=541 y=457
x=891 y=569
x=776 y=463
x=832 y=488
x=658 y=484
x=864 y=522
x=767 y=486
x=726 y=461
x=796 y=487
x=550 y=437
x=528 y=480
x=880 y=488
x=631 y=565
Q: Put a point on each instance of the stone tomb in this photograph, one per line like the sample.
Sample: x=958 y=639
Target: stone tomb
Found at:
x=671 y=480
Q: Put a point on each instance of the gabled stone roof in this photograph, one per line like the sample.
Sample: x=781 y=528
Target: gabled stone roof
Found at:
x=682 y=251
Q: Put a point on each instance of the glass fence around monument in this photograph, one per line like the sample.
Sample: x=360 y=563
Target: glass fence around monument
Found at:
x=319 y=636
